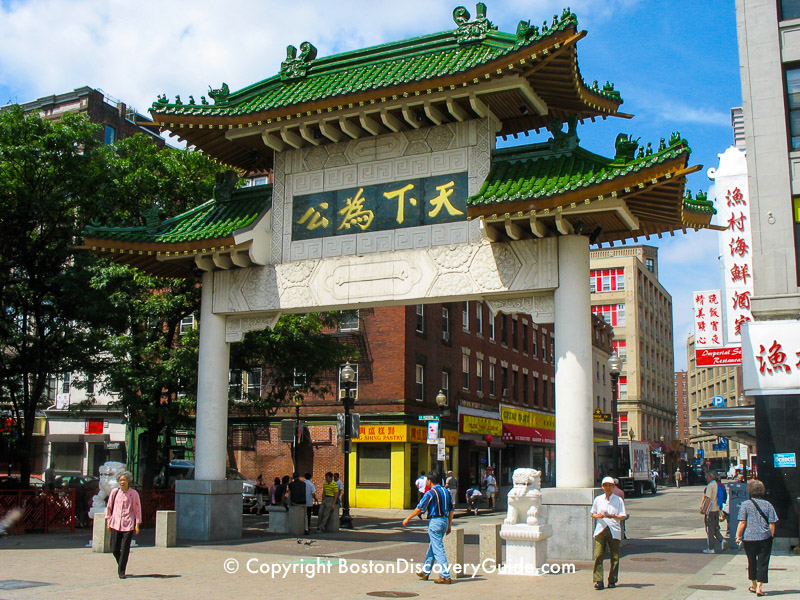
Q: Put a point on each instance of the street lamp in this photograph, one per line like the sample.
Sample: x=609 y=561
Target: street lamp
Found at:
x=441 y=402
x=348 y=376
x=614 y=368
x=298 y=402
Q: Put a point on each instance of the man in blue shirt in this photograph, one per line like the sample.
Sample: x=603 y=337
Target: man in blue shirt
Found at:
x=439 y=504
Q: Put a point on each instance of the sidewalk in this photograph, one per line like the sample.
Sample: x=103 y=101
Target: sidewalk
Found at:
x=665 y=562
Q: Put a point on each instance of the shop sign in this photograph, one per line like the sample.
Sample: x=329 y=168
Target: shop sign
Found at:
x=527 y=418
x=433 y=432
x=481 y=425
x=93 y=426
x=771 y=357
x=419 y=435
x=382 y=433
x=784 y=459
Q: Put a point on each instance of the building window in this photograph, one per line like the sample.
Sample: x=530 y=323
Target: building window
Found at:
x=504 y=329
x=535 y=338
x=110 y=135
x=253 y=384
x=446 y=385
x=607 y=280
x=525 y=389
x=479 y=375
x=491 y=326
x=650 y=264
x=504 y=381
x=492 y=379
x=544 y=395
x=621 y=348
x=420 y=318
x=790 y=9
x=187 y=324
x=349 y=320
x=622 y=387
x=524 y=338
x=65 y=385
x=465 y=371
x=465 y=317
x=514 y=332
x=514 y=386
x=420 y=378
x=374 y=464
x=479 y=317
x=535 y=390
x=445 y=324
x=613 y=314
x=235 y=378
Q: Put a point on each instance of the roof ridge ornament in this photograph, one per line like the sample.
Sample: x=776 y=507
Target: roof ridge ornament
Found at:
x=296 y=67
x=563 y=141
x=151 y=219
x=224 y=185
x=527 y=32
x=219 y=95
x=472 y=31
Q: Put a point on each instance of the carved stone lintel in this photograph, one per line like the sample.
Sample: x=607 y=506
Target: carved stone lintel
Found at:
x=541 y=307
x=236 y=327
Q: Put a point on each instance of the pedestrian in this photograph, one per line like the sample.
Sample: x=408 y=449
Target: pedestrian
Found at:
x=474 y=497
x=273 y=490
x=339 y=485
x=311 y=498
x=422 y=487
x=330 y=496
x=617 y=491
x=491 y=487
x=710 y=510
x=259 y=491
x=608 y=510
x=50 y=477
x=123 y=518
x=678 y=477
x=440 y=520
x=297 y=493
x=757 y=518
x=282 y=492
x=451 y=484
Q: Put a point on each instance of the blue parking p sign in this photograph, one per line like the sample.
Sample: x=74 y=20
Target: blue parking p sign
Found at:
x=718 y=401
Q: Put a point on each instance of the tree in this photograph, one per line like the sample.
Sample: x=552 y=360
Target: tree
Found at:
x=51 y=321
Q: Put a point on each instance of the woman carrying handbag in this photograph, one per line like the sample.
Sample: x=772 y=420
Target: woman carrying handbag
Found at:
x=757 y=518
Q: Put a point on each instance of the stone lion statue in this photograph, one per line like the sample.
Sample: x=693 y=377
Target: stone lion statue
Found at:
x=109 y=471
x=525 y=498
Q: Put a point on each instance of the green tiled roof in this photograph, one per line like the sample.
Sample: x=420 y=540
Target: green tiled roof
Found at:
x=538 y=171
x=700 y=204
x=208 y=221
x=385 y=66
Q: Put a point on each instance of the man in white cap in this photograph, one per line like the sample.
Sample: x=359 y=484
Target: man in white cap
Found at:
x=608 y=510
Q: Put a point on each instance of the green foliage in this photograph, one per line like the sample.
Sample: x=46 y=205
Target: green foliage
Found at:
x=297 y=344
x=50 y=321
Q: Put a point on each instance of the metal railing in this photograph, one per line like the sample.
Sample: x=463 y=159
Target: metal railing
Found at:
x=43 y=511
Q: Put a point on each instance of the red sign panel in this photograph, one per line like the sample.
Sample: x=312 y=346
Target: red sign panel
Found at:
x=534 y=435
x=93 y=426
x=718 y=357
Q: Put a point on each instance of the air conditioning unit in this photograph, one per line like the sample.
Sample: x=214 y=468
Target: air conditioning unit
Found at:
x=505 y=393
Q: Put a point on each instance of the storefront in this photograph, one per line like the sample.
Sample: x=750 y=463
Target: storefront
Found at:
x=386 y=460
x=79 y=445
x=480 y=445
x=530 y=440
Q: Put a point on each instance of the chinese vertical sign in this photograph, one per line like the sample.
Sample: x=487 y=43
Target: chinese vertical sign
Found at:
x=426 y=201
x=771 y=357
x=708 y=319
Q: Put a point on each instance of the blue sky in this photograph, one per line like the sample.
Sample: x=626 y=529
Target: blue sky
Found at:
x=675 y=63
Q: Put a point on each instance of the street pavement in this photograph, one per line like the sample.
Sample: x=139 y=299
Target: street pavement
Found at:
x=662 y=559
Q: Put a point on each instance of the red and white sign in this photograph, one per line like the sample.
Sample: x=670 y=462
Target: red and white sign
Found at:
x=93 y=426
x=708 y=319
x=736 y=242
x=718 y=357
x=771 y=357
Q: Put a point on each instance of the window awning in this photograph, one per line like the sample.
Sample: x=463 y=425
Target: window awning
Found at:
x=529 y=435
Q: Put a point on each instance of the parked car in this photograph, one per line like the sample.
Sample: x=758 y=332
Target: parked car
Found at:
x=8 y=482
x=77 y=481
x=184 y=469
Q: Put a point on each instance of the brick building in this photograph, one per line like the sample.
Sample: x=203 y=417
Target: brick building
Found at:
x=496 y=372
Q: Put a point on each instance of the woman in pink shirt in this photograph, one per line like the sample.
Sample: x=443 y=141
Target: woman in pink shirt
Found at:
x=123 y=517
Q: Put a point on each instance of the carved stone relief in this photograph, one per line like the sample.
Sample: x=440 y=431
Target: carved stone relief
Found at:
x=236 y=327
x=541 y=307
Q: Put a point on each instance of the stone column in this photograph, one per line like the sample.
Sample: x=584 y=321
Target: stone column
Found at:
x=210 y=507
x=568 y=505
x=574 y=435
x=212 y=390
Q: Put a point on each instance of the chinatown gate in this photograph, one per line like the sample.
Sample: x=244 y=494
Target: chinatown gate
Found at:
x=388 y=190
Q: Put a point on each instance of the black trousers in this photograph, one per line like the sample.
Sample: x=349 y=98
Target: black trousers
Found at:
x=121 y=548
x=758 y=559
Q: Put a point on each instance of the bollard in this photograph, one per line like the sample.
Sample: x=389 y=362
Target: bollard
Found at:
x=296 y=520
x=101 y=537
x=454 y=550
x=166 y=528
x=491 y=544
